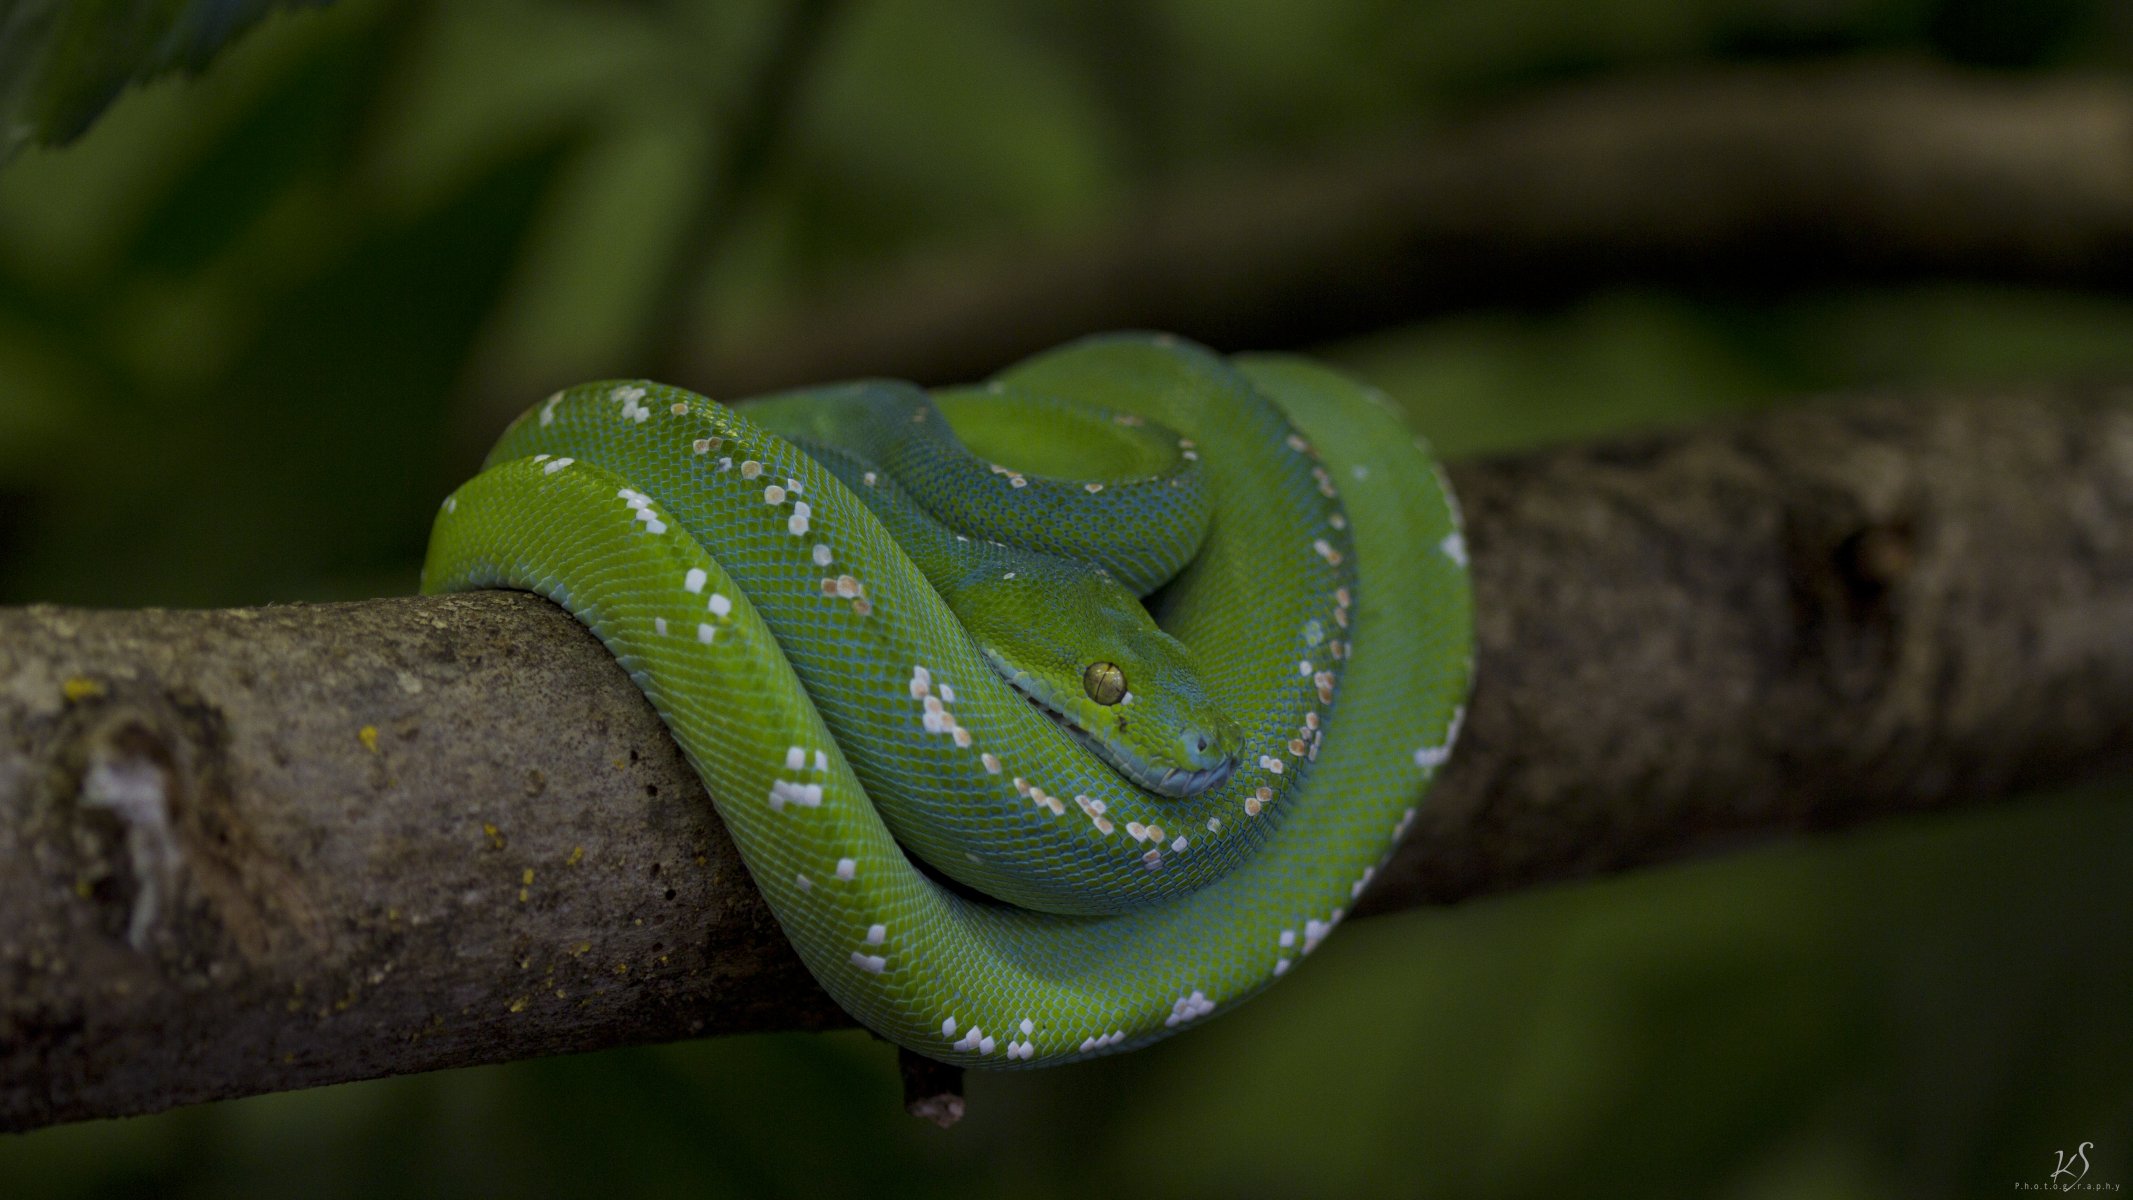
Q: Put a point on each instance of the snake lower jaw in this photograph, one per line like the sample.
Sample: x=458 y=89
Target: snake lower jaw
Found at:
x=1178 y=782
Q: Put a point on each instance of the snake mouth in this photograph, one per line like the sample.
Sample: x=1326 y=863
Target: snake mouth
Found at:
x=1176 y=781
x=1163 y=781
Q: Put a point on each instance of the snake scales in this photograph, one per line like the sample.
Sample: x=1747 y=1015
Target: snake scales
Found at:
x=1006 y=818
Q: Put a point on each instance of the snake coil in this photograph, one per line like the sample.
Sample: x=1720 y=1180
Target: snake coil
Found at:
x=1299 y=543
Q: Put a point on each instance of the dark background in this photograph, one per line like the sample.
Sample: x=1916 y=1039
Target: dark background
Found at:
x=254 y=325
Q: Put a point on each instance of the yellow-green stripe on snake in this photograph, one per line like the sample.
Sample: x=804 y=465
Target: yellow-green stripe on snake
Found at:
x=1124 y=829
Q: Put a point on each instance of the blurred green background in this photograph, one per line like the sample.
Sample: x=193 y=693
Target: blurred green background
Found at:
x=254 y=324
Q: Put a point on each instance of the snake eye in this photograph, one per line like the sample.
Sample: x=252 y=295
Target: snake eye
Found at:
x=1104 y=682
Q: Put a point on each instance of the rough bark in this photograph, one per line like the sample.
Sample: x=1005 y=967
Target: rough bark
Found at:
x=1743 y=182
x=253 y=850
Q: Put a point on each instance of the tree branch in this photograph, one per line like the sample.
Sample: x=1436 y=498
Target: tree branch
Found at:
x=1771 y=177
x=252 y=850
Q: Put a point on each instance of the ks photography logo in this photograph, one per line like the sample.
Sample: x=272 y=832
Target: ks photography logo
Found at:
x=2070 y=1173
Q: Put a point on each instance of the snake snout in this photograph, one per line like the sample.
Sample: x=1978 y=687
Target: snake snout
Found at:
x=1207 y=754
x=1202 y=749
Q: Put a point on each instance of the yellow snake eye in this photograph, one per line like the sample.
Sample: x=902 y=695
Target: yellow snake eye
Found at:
x=1104 y=682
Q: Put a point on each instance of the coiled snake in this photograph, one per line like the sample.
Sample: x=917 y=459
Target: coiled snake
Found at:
x=1006 y=817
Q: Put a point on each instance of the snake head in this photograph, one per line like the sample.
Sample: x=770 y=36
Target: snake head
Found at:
x=1082 y=650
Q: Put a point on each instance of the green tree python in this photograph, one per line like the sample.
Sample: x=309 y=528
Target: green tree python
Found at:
x=1051 y=715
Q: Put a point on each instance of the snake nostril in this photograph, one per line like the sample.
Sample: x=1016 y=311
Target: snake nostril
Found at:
x=1201 y=742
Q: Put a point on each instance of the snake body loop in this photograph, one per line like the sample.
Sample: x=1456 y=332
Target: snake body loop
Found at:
x=1303 y=553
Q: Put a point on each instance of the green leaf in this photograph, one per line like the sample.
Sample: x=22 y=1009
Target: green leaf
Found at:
x=62 y=62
